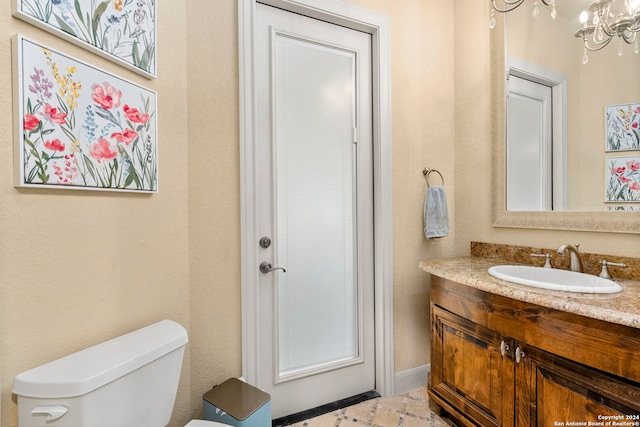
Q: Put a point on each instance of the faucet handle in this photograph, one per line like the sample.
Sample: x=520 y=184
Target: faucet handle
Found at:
x=604 y=273
x=547 y=262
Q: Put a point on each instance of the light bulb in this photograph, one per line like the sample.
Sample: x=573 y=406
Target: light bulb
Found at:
x=633 y=6
x=584 y=17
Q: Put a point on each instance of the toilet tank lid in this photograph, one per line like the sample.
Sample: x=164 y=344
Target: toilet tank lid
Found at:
x=91 y=368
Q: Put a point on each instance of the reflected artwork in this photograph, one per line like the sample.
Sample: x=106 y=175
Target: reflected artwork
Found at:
x=622 y=126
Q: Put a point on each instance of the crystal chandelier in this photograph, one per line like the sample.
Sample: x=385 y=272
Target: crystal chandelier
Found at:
x=509 y=5
x=605 y=19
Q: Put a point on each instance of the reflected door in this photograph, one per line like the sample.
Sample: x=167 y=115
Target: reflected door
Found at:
x=529 y=146
x=315 y=171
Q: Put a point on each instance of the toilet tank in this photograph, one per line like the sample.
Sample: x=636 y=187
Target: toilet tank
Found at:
x=131 y=380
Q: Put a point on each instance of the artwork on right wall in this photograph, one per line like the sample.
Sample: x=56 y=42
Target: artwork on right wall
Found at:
x=622 y=179
x=622 y=127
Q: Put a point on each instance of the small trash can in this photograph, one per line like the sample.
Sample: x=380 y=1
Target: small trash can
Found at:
x=237 y=403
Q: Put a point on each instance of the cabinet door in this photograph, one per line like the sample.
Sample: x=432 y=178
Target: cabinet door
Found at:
x=552 y=391
x=469 y=372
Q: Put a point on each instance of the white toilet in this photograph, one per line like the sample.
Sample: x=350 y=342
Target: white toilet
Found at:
x=131 y=380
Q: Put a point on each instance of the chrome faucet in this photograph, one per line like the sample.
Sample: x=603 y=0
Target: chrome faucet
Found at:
x=576 y=262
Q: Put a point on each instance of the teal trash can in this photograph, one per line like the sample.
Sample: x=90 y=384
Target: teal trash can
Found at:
x=237 y=403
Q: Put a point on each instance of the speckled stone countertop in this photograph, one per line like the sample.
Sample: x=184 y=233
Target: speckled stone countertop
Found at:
x=622 y=308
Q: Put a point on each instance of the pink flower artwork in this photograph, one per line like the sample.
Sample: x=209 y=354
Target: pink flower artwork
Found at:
x=106 y=95
x=623 y=179
x=82 y=127
x=54 y=145
x=127 y=136
x=30 y=122
x=134 y=115
x=53 y=114
x=101 y=150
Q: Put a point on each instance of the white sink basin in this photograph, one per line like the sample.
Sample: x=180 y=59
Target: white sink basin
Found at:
x=551 y=278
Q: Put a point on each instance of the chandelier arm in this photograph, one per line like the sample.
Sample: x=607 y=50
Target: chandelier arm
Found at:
x=509 y=5
x=598 y=46
x=606 y=28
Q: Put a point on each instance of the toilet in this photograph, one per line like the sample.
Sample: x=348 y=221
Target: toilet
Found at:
x=131 y=380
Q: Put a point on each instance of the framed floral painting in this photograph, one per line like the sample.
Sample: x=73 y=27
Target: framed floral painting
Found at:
x=622 y=125
x=80 y=127
x=123 y=31
x=622 y=179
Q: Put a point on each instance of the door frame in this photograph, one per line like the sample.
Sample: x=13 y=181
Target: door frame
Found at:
x=378 y=25
x=560 y=133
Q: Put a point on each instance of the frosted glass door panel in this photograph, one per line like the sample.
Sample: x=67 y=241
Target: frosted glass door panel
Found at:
x=314 y=109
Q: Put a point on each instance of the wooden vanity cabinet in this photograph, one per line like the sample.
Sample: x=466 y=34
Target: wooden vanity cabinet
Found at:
x=471 y=369
x=552 y=390
x=501 y=362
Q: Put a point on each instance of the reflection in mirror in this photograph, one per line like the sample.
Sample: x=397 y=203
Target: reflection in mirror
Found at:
x=572 y=139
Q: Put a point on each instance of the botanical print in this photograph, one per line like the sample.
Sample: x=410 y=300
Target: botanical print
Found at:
x=622 y=127
x=623 y=179
x=120 y=29
x=81 y=127
x=623 y=208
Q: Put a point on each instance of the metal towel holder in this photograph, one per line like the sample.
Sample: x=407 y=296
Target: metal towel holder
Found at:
x=427 y=171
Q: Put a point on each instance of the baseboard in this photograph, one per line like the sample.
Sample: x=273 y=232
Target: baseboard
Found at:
x=412 y=378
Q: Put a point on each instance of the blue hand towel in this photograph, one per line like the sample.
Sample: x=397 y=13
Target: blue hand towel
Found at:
x=436 y=215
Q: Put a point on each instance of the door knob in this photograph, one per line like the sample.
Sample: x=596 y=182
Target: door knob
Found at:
x=265 y=267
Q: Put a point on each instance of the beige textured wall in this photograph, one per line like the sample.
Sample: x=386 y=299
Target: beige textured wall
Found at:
x=473 y=155
x=422 y=136
x=187 y=238
x=80 y=267
x=214 y=195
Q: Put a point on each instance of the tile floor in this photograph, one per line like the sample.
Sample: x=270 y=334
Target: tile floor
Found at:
x=410 y=409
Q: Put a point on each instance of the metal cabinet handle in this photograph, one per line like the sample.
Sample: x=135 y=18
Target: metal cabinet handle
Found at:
x=504 y=347
x=265 y=267
x=519 y=355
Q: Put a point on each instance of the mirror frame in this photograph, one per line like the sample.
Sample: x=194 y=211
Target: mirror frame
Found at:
x=606 y=221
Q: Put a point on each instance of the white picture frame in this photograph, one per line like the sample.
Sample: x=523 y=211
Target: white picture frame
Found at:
x=622 y=179
x=622 y=127
x=80 y=127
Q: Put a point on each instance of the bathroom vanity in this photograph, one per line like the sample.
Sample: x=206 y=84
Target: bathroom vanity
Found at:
x=504 y=354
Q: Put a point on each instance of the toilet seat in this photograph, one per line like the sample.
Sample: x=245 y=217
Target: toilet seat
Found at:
x=203 y=423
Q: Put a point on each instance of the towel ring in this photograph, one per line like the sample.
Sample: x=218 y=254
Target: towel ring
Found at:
x=426 y=172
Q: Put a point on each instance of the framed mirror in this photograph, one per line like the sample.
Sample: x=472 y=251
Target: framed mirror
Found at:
x=577 y=186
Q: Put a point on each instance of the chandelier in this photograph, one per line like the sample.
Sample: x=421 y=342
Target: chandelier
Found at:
x=509 y=5
x=602 y=20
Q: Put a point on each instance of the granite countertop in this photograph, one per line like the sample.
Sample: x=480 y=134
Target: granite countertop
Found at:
x=622 y=308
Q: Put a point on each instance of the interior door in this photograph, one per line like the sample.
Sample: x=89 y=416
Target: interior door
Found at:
x=315 y=210
x=529 y=146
